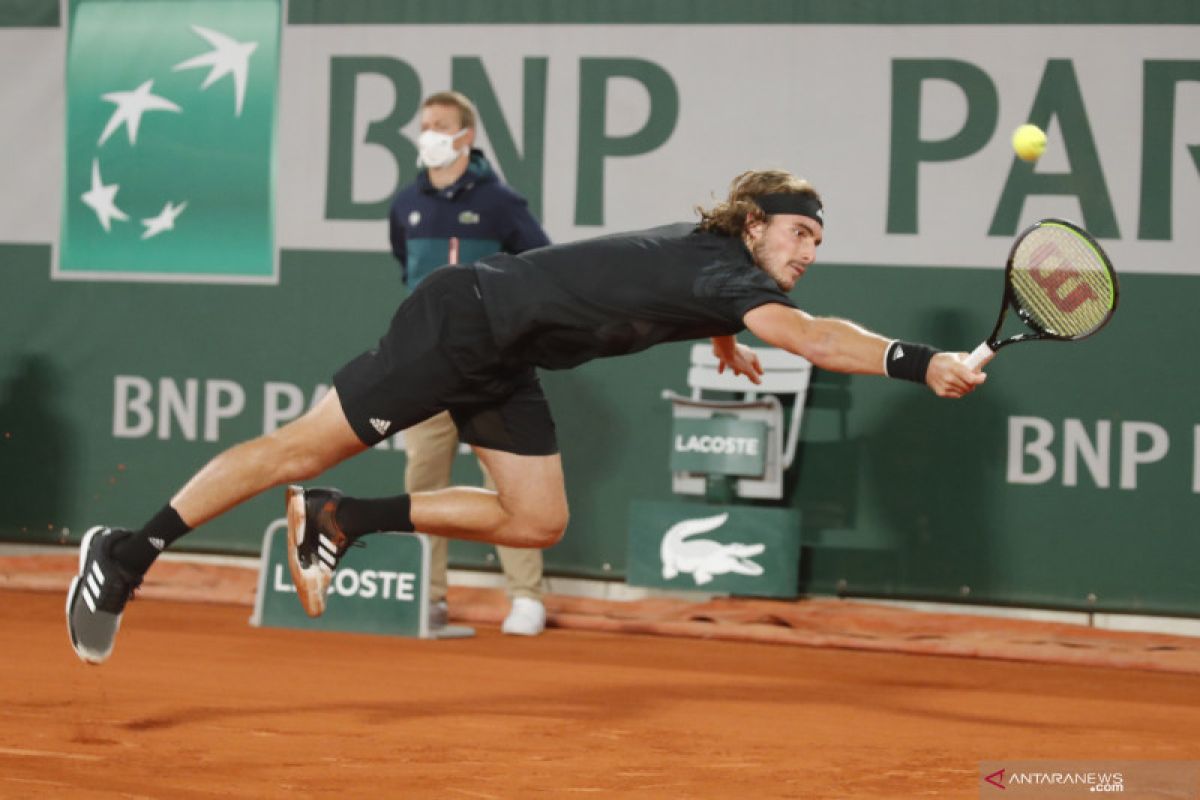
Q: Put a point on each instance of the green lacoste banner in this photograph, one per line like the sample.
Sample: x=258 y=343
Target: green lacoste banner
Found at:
x=722 y=549
x=380 y=588
x=719 y=446
x=170 y=131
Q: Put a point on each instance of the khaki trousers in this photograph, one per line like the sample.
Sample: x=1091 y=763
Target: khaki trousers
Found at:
x=431 y=446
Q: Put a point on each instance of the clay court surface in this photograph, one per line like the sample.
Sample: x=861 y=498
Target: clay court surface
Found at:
x=195 y=703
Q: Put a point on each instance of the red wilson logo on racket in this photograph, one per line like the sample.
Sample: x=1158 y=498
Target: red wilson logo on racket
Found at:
x=1055 y=276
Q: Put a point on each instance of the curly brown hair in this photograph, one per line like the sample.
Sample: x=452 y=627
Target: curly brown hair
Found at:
x=730 y=217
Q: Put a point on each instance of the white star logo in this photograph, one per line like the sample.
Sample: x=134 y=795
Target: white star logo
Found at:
x=228 y=57
x=130 y=107
x=165 y=221
x=100 y=199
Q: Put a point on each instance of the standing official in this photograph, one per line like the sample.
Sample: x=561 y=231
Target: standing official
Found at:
x=458 y=211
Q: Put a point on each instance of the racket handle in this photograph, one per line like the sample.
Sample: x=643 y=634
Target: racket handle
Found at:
x=980 y=356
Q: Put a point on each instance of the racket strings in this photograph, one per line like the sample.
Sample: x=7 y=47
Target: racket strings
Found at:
x=1061 y=283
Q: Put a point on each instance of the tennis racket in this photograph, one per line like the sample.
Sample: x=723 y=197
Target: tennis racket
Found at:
x=1060 y=283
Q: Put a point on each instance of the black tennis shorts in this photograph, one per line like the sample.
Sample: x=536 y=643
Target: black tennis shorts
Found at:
x=439 y=355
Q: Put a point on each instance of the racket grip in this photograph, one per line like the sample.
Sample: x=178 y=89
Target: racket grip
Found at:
x=980 y=356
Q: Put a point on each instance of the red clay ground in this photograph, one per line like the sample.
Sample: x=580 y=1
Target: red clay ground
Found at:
x=195 y=703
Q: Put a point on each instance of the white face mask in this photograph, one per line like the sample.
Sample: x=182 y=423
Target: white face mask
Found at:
x=436 y=149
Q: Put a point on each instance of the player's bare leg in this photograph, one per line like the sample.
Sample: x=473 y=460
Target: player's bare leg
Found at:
x=528 y=508
x=298 y=451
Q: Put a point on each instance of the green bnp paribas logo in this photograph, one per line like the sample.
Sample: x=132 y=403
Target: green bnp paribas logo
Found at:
x=170 y=132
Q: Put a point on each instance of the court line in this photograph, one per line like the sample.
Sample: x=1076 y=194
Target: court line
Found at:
x=20 y=751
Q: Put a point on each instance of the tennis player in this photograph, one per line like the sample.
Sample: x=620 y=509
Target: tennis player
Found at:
x=469 y=340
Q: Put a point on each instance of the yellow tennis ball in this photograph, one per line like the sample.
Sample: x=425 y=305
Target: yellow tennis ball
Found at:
x=1029 y=142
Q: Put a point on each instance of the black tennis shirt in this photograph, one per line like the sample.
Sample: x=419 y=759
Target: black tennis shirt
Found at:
x=559 y=306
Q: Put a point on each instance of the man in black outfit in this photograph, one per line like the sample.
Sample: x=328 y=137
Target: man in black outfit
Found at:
x=468 y=341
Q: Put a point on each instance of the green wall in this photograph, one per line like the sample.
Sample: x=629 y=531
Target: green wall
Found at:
x=901 y=494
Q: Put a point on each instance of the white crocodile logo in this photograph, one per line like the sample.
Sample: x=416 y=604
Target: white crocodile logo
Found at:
x=704 y=558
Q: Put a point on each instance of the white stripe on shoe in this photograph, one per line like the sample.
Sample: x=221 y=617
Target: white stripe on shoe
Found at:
x=99 y=573
x=87 y=598
x=327 y=552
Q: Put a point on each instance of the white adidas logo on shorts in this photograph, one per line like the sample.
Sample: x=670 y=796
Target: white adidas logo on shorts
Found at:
x=381 y=425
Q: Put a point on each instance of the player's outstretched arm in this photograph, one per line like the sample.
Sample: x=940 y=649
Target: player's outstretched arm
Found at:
x=843 y=346
x=837 y=345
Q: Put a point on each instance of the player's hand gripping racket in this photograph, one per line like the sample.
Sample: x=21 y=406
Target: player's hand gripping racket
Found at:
x=1060 y=283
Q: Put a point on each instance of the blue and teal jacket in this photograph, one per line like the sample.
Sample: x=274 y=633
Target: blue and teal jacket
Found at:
x=485 y=216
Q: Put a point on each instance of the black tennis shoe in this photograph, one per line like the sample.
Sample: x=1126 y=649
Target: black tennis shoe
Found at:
x=315 y=543
x=98 y=594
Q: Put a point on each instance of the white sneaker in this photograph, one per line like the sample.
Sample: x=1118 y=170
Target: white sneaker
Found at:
x=527 y=618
